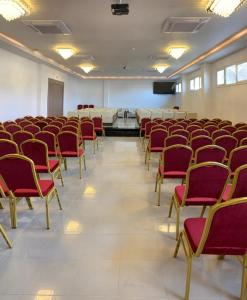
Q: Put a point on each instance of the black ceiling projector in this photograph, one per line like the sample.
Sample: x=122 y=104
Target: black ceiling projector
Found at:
x=120 y=9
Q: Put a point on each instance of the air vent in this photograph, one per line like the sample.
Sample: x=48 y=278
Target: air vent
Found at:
x=158 y=57
x=183 y=25
x=84 y=57
x=48 y=27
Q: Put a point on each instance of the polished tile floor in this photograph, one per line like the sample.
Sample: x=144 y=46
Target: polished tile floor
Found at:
x=110 y=242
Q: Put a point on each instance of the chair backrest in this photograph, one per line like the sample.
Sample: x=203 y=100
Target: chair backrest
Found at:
x=57 y=123
x=62 y=120
x=158 y=120
x=206 y=180
x=216 y=120
x=5 y=135
x=32 y=128
x=182 y=132
x=98 y=122
x=199 y=132
x=41 y=124
x=243 y=142
x=7 y=123
x=175 y=140
x=41 y=118
x=210 y=153
x=51 y=128
x=167 y=124
x=227 y=142
x=13 y=128
x=173 y=128
x=230 y=128
x=87 y=129
x=240 y=135
x=37 y=151
x=225 y=229
x=21 y=136
x=159 y=126
x=157 y=138
x=219 y=132
x=224 y=123
x=243 y=127
x=25 y=123
x=239 y=186
x=70 y=128
x=148 y=128
x=241 y=124
x=183 y=124
x=238 y=158
x=68 y=141
x=73 y=123
x=49 y=138
x=192 y=128
x=79 y=106
x=8 y=147
x=19 y=173
x=176 y=158
x=211 y=128
x=200 y=141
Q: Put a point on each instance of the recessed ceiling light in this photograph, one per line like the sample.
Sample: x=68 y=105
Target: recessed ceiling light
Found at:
x=87 y=68
x=224 y=8
x=177 y=52
x=13 y=9
x=66 y=53
x=161 y=68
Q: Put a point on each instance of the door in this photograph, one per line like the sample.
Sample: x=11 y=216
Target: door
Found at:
x=55 y=98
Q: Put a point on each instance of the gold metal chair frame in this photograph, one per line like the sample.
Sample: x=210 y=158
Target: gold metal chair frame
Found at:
x=232 y=153
x=82 y=157
x=159 y=177
x=175 y=202
x=190 y=254
x=95 y=141
x=47 y=198
x=208 y=147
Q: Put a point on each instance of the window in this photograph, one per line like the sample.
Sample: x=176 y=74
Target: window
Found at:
x=221 y=77
x=192 y=84
x=179 y=88
x=242 y=72
x=231 y=74
x=196 y=84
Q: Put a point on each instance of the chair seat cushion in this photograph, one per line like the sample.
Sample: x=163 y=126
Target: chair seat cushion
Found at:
x=227 y=192
x=44 y=169
x=172 y=174
x=194 y=229
x=156 y=149
x=45 y=185
x=98 y=129
x=3 y=188
x=201 y=201
x=52 y=153
x=72 y=153
x=89 y=137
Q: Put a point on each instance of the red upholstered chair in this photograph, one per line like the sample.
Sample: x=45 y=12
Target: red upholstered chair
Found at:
x=175 y=139
x=210 y=153
x=199 y=132
x=183 y=124
x=86 y=119
x=148 y=127
x=62 y=120
x=8 y=147
x=240 y=135
x=216 y=120
x=174 y=164
x=224 y=123
x=219 y=132
x=79 y=107
x=209 y=123
x=205 y=185
x=182 y=132
x=5 y=135
x=199 y=142
x=155 y=143
x=98 y=125
x=222 y=233
x=56 y=123
x=41 y=124
x=25 y=123
x=7 y=123
x=167 y=124
x=53 y=129
x=49 y=120
x=171 y=121
x=197 y=123
x=50 y=140
x=13 y=128
x=86 y=106
x=243 y=142
x=159 y=126
x=238 y=158
x=40 y=118
x=70 y=128
x=22 y=136
x=68 y=143
x=19 y=120
x=144 y=121
x=192 y=128
x=73 y=123
x=88 y=134
x=243 y=127
x=173 y=128
x=158 y=120
x=230 y=128
x=90 y=106
x=32 y=129
x=37 y=151
x=20 y=176
x=227 y=142
x=239 y=125
x=211 y=128
x=238 y=188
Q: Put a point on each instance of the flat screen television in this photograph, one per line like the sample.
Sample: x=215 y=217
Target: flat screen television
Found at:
x=164 y=87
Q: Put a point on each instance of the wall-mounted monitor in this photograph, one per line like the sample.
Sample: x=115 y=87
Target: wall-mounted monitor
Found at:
x=164 y=87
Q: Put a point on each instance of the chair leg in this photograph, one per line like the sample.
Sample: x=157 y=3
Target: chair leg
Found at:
x=171 y=206
x=97 y=141
x=80 y=166
x=159 y=190
x=61 y=176
x=5 y=236
x=12 y=209
x=177 y=221
x=203 y=211
x=178 y=245
x=84 y=161
x=58 y=199
x=29 y=203
x=156 y=182
x=149 y=158
x=244 y=280
x=65 y=164
x=47 y=212
x=1 y=205
x=188 y=277
x=146 y=156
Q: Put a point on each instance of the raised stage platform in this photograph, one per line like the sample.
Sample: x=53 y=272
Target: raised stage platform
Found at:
x=123 y=127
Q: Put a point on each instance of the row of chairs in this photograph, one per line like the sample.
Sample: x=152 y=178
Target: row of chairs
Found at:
x=84 y=106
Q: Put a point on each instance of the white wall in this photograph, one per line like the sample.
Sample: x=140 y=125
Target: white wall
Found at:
x=226 y=102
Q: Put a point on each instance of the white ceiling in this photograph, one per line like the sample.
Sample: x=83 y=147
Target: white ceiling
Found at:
x=110 y=39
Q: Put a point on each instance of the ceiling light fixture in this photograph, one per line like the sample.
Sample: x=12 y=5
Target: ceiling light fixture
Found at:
x=87 y=69
x=13 y=9
x=177 y=52
x=224 y=8
x=66 y=53
x=161 y=68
